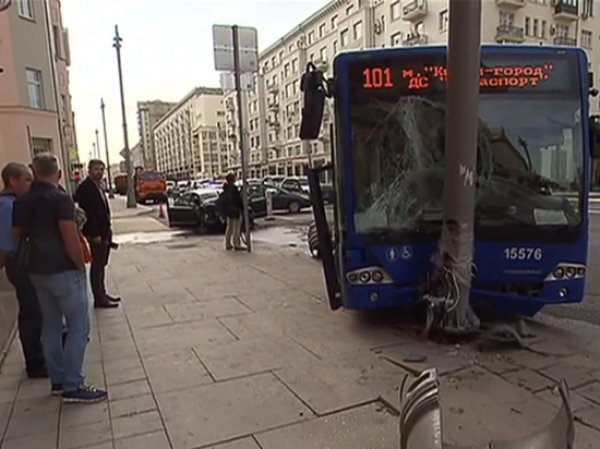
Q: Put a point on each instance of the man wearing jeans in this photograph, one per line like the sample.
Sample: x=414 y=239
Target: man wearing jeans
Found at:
x=45 y=217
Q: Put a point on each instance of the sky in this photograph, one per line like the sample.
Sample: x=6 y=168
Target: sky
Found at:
x=166 y=51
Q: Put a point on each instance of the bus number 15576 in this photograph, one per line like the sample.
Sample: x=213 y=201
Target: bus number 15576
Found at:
x=523 y=253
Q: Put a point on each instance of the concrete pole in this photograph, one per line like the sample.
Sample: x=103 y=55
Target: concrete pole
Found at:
x=462 y=123
x=243 y=141
x=111 y=193
x=131 y=203
x=98 y=149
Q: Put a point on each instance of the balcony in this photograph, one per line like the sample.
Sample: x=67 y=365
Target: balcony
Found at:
x=510 y=34
x=565 y=10
x=511 y=3
x=565 y=40
x=415 y=10
x=272 y=88
x=415 y=39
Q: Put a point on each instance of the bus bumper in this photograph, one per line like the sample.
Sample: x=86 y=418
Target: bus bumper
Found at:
x=358 y=297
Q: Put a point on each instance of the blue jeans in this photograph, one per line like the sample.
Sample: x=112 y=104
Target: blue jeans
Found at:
x=64 y=295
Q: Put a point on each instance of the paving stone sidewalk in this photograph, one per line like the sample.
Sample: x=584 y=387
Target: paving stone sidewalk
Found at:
x=223 y=350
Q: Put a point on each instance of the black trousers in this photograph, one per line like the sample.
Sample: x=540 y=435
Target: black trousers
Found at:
x=100 y=253
x=29 y=319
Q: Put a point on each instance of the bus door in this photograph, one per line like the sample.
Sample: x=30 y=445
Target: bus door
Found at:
x=316 y=90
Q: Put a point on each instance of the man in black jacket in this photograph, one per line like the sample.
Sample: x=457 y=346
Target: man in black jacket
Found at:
x=92 y=199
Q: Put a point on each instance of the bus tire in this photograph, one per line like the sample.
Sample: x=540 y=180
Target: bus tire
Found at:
x=313 y=241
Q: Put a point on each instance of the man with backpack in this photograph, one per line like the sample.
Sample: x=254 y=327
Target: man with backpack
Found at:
x=17 y=179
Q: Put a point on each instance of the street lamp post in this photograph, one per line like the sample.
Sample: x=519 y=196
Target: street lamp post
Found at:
x=111 y=193
x=131 y=203
x=98 y=149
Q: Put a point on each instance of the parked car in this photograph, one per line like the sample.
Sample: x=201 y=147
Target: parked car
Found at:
x=282 y=199
x=300 y=184
x=197 y=209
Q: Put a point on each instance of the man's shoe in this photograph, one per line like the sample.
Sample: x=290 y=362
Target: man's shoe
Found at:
x=113 y=298
x=106 y=304
x=38 y=373
x=56 y=390
x=86 y=394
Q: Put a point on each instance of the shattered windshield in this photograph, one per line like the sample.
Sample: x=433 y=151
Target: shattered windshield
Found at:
x=530 y=157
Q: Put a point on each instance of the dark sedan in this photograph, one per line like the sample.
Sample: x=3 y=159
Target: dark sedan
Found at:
x=282 y=199
x=197 y=209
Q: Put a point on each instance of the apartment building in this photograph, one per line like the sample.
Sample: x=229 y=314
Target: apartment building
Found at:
x=190 y=141
x=274 y=106
x=149 y=113
x=35 y=102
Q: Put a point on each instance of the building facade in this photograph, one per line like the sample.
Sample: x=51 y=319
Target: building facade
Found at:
x=149 y=113
x=274 y=106
x=190 y=141
x=35 y=102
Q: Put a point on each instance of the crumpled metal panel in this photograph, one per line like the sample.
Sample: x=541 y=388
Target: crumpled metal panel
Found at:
x=421 y=421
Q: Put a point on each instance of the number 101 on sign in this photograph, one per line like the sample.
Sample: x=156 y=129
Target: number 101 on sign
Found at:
x=523 y=253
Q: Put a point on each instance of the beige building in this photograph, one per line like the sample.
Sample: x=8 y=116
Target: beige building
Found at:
x=274 y=107
x=149 y=113
x=35 y=102
x=190 y=140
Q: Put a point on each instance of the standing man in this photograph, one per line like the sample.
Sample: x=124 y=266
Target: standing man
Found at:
x=56 y=265
x=17 y=179
x=91 y=198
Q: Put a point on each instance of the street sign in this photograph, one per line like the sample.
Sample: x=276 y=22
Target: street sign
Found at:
x=5 y=4
x=223 y=48
x=228 y=81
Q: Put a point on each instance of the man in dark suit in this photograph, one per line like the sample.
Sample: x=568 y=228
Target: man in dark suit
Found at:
x=91 y=198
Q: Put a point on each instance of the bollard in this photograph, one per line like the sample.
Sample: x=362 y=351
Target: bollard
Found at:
x=269 y=199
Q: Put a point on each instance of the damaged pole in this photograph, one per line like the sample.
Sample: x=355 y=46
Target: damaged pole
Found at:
x=462 y=123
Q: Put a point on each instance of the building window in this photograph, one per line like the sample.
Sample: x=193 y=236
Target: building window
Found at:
x=295 y=66
x=395 y=10
x=34 y=88
x=586 y=39
x=536 y=24
x=349 y=10
x=335 y=48
x=588 y=8
x=323 y=54
x=322 y=30
x=344 y=37
x=527 y=26
x=357 y=30
x=444 y=20
x=334 y=22
x=397 y=39
x=506 y=19
x=311 y=37
x=544 y=26
x=25 y=8
x=562 y=30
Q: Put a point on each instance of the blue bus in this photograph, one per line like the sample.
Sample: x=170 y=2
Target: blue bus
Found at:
x=535 y=149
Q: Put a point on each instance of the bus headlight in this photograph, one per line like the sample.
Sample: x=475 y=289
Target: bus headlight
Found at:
x=369 y=276
x=566 y=271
